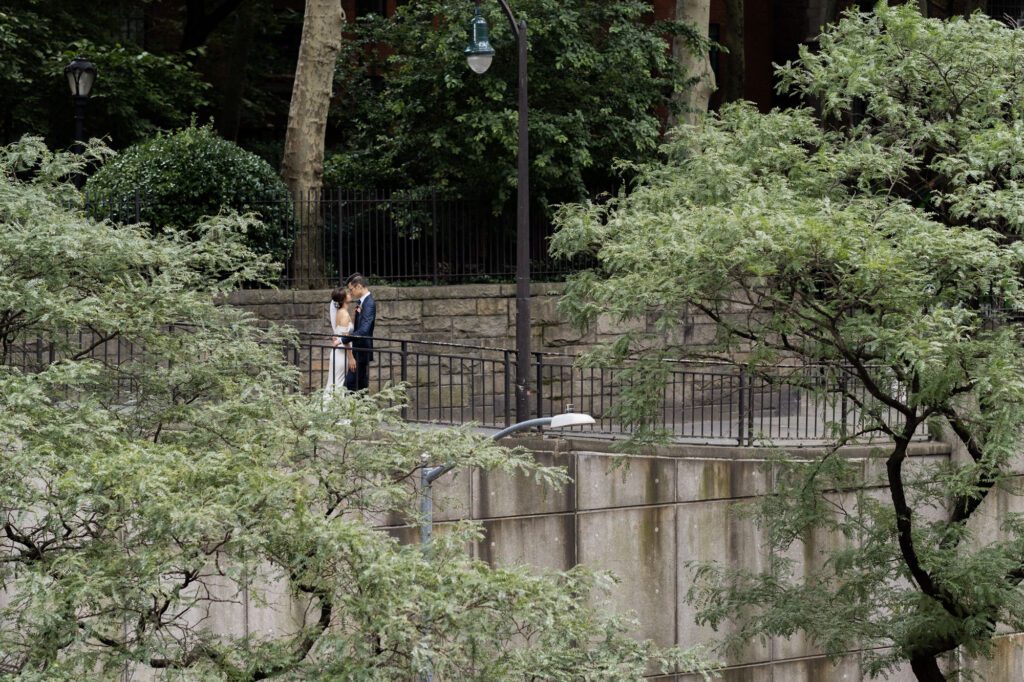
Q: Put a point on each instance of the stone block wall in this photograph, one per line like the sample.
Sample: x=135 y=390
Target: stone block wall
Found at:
x=472 y=314
x=473 y=382
x=647 y=517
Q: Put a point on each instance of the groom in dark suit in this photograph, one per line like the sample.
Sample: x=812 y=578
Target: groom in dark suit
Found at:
x=358 y=377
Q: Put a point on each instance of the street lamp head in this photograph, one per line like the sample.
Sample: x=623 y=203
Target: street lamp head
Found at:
x=560 y=421
x=81 y=74
x=479 y=52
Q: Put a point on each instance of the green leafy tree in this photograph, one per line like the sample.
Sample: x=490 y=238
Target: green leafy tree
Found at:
x=140 y=494
x=874 y=238
x=413 y=114
x=182 y=176
x=138 y=91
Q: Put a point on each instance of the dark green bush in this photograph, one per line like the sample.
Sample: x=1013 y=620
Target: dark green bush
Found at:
x=182 y=176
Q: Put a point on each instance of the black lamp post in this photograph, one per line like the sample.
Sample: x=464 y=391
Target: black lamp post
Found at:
x=479 y=54
x=81 y=74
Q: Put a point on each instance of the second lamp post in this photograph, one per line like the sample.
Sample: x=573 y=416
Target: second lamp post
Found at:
x=479 y=54
x=81 y=74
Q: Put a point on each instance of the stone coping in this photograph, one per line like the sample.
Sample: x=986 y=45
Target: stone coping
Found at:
x=575 y=444
x=389 y=293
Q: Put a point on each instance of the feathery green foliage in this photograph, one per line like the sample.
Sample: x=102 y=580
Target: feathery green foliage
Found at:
x=871 y=238
x=144 y=500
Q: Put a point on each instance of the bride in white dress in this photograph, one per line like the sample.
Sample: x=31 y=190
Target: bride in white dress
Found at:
x=341 y=324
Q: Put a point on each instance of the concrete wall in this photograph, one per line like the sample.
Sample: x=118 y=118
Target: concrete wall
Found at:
x=647 y=516
x=644 y=517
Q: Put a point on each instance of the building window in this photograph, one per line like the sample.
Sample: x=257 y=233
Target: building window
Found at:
x=134 y=27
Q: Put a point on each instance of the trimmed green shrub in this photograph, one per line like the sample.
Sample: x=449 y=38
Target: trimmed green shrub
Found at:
x=182 y=176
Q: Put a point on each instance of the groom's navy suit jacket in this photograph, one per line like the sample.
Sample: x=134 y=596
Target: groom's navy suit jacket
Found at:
x=362 y=333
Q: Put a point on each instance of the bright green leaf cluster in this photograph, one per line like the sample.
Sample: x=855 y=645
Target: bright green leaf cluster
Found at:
x=180 y=177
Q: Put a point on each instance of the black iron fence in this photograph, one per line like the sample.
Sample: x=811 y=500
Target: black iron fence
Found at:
x=396 y=236
x=454 y=384
x=457 y=384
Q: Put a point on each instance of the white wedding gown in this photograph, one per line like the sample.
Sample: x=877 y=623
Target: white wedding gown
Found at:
x=339 y=363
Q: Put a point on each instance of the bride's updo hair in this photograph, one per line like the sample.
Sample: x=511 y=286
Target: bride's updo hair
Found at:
x=338 y=295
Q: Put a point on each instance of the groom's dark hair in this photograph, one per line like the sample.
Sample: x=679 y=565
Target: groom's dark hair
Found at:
x=357 y=279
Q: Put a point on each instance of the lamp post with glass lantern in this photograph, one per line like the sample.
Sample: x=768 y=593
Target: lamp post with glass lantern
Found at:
x=479 y=54
x=81 y=74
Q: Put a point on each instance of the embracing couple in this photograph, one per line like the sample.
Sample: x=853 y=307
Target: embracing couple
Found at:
x=353 y=335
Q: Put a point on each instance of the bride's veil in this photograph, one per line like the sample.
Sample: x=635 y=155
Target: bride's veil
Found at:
x=333 y=314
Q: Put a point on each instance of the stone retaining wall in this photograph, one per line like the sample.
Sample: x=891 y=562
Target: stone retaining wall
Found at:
x=645 y=518
x=474 y=314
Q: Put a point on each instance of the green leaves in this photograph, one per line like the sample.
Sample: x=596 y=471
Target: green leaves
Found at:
x=190 y=174
x=138 y=91
x=160 y=472
x=597 y=72
x=946 y=94
x=868 y=242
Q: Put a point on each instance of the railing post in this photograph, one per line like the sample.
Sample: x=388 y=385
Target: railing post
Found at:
x=338 y=223
x=344 y=200
x=138 y=207
x=436 y=229
x=405 y=374
x=743 y=395
x=750 y=411
x=539 y=390
x=508 y=388
x=843 y=405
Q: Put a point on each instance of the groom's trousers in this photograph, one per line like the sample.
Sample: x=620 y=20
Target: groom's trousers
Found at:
x=359 y=379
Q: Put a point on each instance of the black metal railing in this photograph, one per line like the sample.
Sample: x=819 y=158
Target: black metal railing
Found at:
x=393 y=236
x=451 y=383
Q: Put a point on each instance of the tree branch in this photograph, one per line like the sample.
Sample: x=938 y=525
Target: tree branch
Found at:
x=964 y=505
x=904 y=530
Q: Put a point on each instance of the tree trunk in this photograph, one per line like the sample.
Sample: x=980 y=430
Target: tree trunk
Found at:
x=926 y=669
x=735 y=60
x=694 y=100
x=302 y=165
